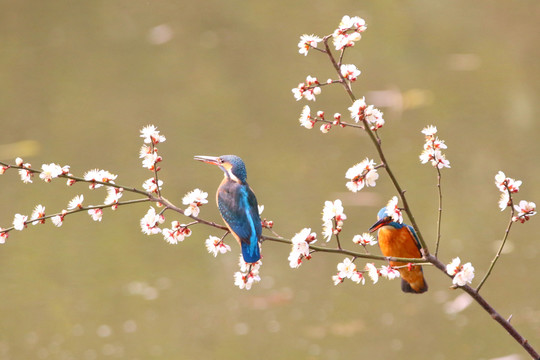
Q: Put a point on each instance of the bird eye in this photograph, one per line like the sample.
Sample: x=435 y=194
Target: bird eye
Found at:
x=220 y=161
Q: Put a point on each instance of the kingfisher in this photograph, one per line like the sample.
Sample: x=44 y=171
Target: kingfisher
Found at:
x=400 y=240
x=237 y=204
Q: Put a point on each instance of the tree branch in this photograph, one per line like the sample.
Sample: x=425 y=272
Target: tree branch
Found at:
x=491 y=311
x=498 y=254
x=439 y=213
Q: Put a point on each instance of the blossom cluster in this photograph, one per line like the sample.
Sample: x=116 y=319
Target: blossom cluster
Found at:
x=432 y=149
x=216 y=246
x=58 y=219
x=25 y=172
x=308 y=89
x=508 y=186
x=51 y=171
x=362 y=174
x=348 y=270
x=364 y=239
x=177 y=233
x=152 y=185
x=96 y=213
x=333 y=218
x=150 y=222
x=361 y=112
x=96 y=178
x=194 y=199
x=462 y=274
x=149 y=152
x=308 y=121
x=300 y=247
x=307 y=42
x=151 y=135
x=349 y=72
x=113 y=196
x=525 y=210
x=47 y=173
x=349 y=31
x=248 y=274
x=38 y=216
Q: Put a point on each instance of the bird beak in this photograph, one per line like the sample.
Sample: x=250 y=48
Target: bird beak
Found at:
x=208 y=159
x=385 y=220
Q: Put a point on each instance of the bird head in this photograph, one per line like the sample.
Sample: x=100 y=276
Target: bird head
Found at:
x=383 y=220
x=232 y=166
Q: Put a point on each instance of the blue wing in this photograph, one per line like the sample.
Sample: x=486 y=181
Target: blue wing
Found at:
x=415 y=237
x=238 y=207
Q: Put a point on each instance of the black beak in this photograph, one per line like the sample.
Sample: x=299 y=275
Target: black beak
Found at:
x=385 y=220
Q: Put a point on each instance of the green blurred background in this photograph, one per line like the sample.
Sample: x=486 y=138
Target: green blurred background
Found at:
x=80 y=78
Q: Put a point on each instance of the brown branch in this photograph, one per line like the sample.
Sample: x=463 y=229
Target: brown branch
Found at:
x=316 y=248
x=491 y=311
x=336 y=67
x=425 y=252
x=378 y=142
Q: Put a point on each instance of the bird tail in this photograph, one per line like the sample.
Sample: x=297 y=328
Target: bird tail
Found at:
x=417 y=287
x=251 y=252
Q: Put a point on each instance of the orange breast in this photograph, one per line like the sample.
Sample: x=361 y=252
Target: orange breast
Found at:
x=398 y=243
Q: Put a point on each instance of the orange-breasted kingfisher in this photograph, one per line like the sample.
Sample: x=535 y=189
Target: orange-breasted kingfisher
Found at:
x=400 y=240
x=237 y=204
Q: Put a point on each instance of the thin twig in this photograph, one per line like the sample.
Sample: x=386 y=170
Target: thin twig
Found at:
x=337 y=233
x=347 y=252
x=340 y=62
x=80 y=179
x=345 y=124
x=498 y=254
x=156 y=169
x=336 y=67
x=77 y=210
x=439 y=216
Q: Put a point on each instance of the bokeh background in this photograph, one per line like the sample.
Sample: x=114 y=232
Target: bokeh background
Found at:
x=78 y=79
